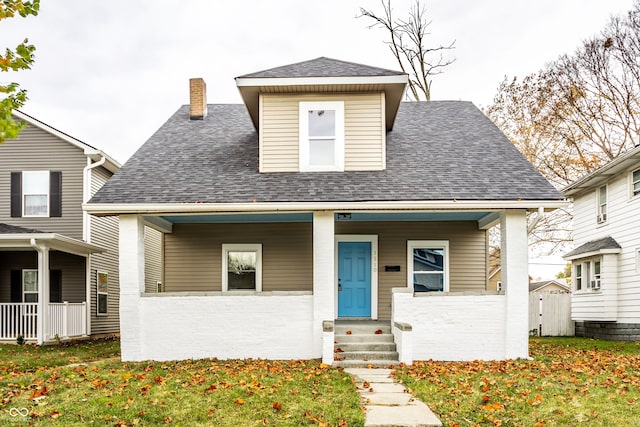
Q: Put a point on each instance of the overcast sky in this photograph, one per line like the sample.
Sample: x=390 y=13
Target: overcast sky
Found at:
x=111 y=72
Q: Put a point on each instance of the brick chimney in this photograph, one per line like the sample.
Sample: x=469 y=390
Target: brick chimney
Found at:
x=197 y=98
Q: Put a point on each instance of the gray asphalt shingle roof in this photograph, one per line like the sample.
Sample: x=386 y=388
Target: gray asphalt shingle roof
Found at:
x=323 y=67
x=438 y=150
x=594 y=245
x=14 y=229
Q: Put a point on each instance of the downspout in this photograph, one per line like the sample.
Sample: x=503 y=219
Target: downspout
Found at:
x=86 y=195
x=536 y=220
x=43 y=296
x=86 y=231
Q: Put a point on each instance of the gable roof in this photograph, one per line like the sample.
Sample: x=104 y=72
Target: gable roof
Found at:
x=438 y=151
x=601 y=175
x=95 y=154
x=536 y=286
x=322 y=67
x=594 y=247
x=323 y=75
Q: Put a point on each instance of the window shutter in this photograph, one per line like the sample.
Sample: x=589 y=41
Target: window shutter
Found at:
x=16 y=285
x=55 y=286
x=55 y=194
x=16 y=194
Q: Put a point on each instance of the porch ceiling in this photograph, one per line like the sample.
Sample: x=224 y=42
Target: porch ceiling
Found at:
x=339 y=217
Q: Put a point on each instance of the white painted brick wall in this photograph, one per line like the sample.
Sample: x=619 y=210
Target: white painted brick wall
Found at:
x=226 y=327
x=453 y=327
x=404 y=345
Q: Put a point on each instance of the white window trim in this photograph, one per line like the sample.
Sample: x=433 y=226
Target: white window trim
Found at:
x=98 y=293
x=638 y=260
x=29 y=270
x=435 y=244
x=599 y=212
x=22 y=202
x=588 y=274
x=304 y=107
x=631 y=195
x=255 y=247
x=373 y=239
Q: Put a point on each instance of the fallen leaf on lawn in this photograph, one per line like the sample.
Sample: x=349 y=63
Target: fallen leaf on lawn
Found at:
x=277 y=406
x=167 y=420
x=55 y=415
x=239 y=401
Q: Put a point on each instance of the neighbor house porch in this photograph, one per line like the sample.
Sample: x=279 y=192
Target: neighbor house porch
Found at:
x=44 y=291
x=271 y=284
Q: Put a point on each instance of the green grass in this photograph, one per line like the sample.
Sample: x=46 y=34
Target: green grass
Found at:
x=571 y=381
x=189 y=393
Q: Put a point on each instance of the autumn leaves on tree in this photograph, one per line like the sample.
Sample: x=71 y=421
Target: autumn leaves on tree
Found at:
x=21 y=58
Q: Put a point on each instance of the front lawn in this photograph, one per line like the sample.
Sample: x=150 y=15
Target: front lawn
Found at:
x=189 y=393
x=570 y=382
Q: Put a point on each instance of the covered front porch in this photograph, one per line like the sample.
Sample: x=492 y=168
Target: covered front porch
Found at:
x=424 y=270
x=44 y=286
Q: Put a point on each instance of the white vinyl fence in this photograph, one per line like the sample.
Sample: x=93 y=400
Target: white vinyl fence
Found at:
x=550 y=314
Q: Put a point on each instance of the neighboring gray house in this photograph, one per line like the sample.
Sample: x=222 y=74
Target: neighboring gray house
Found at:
x=549 y=286
x=58 y=266
x=605 y=301
x=324 y=199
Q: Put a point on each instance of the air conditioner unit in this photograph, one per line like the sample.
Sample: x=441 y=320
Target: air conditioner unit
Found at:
x=595 y=284
x=602 y=218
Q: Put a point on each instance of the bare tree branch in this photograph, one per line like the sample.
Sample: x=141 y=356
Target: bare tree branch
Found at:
x=408 y=44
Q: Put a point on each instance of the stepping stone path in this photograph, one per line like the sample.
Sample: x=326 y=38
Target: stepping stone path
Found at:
x=388 y=403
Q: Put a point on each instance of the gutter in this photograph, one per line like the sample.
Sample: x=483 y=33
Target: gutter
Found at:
x=441 y=205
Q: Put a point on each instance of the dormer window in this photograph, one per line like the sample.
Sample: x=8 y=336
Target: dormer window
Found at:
x=321 y=136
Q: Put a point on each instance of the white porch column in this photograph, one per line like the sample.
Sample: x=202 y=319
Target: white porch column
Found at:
x=323 y=276
x=87 y=294
x=515 y=278
x=43 y=294
x=131 y=247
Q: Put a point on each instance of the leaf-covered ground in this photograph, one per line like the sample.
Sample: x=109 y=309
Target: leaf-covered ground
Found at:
x=57 y=387
x=570 y=382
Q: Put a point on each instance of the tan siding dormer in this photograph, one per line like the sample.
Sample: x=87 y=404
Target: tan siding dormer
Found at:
x=364 y=130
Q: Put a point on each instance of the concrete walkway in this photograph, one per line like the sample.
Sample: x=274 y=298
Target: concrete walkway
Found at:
x=388 y=403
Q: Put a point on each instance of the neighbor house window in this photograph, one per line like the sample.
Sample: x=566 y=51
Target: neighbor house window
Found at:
x=102 y=280
x=602 y=204
x=635 y=182
x=428 y=265
x=588 y=274
x=242 y=267
x=578 y=277
x=35 y=193
x=29 y=285
x=321 y=136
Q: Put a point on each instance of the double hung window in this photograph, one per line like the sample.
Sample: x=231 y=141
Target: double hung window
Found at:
x=321 y=136
x=428 y=265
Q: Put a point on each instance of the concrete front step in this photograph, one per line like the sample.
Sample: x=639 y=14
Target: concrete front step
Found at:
x=366 y=346
x=362 y=327
x=368 y=355
x=365 y=363
x=355 y=338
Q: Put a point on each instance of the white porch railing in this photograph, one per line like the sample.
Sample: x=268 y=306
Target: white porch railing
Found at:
x=18 y=319
x=65 y=320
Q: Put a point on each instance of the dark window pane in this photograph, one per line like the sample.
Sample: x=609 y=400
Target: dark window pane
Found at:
x=241 y=280
x=428 y=282
x=428 y=259
x=102 y=304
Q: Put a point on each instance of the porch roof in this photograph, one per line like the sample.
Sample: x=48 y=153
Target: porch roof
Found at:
x=595 y=247
x=15 y=237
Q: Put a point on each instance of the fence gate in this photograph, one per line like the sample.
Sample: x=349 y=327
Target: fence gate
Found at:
x=550 y=314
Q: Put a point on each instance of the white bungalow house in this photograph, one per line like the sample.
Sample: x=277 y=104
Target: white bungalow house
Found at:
x=324 y=199
x=605 y=299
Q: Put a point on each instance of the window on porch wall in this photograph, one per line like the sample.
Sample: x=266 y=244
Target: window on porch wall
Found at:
x=428 y=265
x=242 y=267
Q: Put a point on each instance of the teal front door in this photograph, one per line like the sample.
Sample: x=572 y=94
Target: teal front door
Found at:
x=354 y=279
